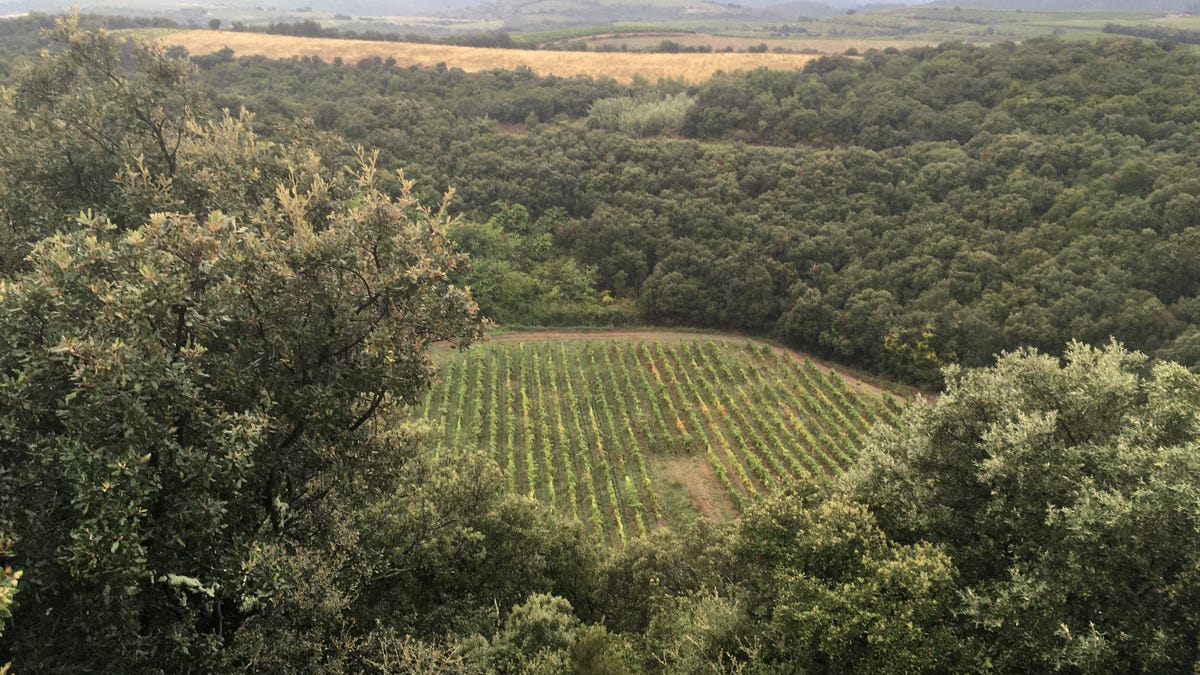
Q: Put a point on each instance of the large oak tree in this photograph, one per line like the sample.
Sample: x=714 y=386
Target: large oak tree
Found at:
x=197 y=359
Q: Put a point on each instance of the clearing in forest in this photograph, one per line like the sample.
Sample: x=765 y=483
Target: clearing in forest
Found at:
x=629 y=434
x=691 y=68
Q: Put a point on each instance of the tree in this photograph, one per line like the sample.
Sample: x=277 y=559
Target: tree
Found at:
x=544 y=636
x=516 y=280
x=654 y=572
x=447 y=554
x=192 y=401
x=9 y=580
x=180 y=396
x=828 y=591
x=453 y=546
x=95 y=126
x=1066 y=494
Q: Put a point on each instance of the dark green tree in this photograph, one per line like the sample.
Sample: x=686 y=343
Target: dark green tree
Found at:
x=80 y=123
x=194 y=405
x=543 y=636
x=827 y=590
x=1066 y=494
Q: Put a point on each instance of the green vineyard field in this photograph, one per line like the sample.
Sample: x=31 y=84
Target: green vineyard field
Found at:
x=583 y=424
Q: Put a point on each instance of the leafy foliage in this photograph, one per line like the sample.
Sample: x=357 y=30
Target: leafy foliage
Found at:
x=543 y=636
x=1066 y=496
x=640 y=118
x=517 y=280
x=837 y=595
x=207 y=334
x=9 y=580
x=188 y=401
x=902 y=210
x=84 y=117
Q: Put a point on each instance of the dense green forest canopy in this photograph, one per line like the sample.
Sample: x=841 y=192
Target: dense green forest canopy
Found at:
x=901 y=210
x=208 y=322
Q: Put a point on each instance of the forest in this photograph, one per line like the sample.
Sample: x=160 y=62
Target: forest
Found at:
x=902 y=210
x=243 y=426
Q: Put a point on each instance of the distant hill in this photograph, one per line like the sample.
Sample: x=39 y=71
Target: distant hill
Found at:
x=812 y=8
x=1077 y=5
x=797 y=8
x=535 y=15
x=364 y=7
x=510 y=15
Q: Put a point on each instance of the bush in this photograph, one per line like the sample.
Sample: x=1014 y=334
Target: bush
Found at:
x=640 y=118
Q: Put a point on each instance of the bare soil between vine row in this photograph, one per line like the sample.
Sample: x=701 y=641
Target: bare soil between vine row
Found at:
x=691 y=473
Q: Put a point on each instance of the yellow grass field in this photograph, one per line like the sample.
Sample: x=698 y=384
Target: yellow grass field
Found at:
x=692 y=68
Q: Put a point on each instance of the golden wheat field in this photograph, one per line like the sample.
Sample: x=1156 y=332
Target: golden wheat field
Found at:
x=622 y=67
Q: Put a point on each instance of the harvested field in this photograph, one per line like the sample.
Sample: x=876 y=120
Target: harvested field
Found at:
x=622 y=67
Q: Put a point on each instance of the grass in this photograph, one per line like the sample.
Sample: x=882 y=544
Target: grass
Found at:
x=691 y=68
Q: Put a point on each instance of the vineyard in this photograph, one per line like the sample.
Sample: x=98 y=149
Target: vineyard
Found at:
x=583 y=424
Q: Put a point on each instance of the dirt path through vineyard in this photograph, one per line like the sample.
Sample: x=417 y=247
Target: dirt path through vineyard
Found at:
x=690 y=474
x=696 y=477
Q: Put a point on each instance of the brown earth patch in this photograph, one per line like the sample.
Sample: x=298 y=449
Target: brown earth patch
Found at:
x=696 y=477
x=511 y=128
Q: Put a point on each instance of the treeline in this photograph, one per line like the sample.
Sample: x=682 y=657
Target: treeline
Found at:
x=673 y=47
x=1167 y=33
x=490 y=39
x=23 y=36
x=313 y=29
x=902 y=210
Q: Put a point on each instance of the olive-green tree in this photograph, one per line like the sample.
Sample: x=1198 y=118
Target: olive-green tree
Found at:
x=9 y=579
x=826 y=590
x=543 y=635
x=183 y=395
x=191 y=402
x=118 y=128
x=73 y=121
x=1067 y=495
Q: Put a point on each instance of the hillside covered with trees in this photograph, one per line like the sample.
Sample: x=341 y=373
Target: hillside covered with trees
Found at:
x=902 y=210
x=215 y=325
